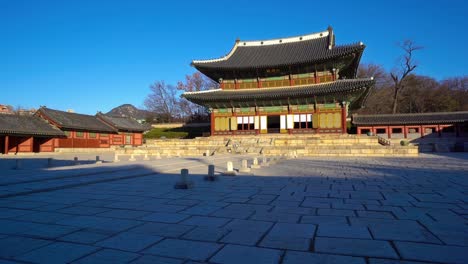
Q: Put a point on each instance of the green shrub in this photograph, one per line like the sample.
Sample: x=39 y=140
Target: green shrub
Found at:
x=165 y=132
x=404 y=143
x=178 y=132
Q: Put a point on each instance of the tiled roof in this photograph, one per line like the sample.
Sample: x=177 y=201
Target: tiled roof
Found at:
x=342 y=90
x=307 y=49
x=27 y=125
x=411 y=119
x=123 y=123
x=67 y=120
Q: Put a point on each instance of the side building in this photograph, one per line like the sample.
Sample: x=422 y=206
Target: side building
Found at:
x=26 y=133
x=81 y=131
x=415 y=125
x=295 y=85
x=129 y=131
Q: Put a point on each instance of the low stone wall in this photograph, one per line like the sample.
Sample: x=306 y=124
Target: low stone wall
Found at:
x=85 y=150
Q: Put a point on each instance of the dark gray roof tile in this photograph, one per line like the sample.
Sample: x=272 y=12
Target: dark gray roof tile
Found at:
x=67 y=120
x=122 y=123
x=27 y=125
x=338 y=89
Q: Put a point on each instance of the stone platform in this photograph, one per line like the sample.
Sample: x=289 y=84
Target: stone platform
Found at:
x=306 y=210
x=277 y=145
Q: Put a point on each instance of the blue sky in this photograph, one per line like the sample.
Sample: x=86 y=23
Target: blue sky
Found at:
x=95 y=55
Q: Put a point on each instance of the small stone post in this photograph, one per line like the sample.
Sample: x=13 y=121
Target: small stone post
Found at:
x=18 y=164
x=255 y=164
x=158 y=155
x=184 y=183
x=146 y=157
x=116 y=157
x=265 y=161
x=132 y=158
x=207 y=153
x=98 y=160
x=230 y=169
x=49 y=162
x=211 y=173
x=244 y=167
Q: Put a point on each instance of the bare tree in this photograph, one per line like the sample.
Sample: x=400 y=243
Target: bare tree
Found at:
x=194 y=83
x=164 y=101
x=399 y=75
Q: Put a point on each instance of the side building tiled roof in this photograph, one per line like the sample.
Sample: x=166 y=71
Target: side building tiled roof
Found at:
x=122 y=123
x=67 y=120
x=27 y=125
x=354 y=90
x=411 y=119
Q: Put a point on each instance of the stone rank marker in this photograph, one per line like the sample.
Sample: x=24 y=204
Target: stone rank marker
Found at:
x=211 y=174
x=244 y=167
x=184 y=183
x=255 y=164
x=229 y=169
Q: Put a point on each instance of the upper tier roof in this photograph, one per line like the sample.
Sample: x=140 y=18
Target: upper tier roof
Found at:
x=67 y=120
x=412 y=119
x=306 y=49
x=26 y=125
x=354 y=90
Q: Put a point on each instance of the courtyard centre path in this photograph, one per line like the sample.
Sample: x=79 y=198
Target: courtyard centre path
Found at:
x=310 y=210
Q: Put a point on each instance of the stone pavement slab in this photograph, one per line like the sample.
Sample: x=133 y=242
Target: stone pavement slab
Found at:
x=58 y=252
x=165 y=217
x=150 y=259
x=161 y=229
x=129 y=241
x=289 y=236
x=430 y=252
x=345 y=231
x=14 y=246
x=294 y=257
x=234 y=254
x=206 y=233
x=185 y=249
x=355 y=247
x=206 y=221
x=108 y=256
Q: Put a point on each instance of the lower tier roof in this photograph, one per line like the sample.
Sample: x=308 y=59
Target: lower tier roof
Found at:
x=411 y=119
x=352 y=90
x=26 y=125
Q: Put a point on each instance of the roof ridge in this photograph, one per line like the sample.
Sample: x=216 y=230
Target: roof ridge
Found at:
x=409 y=114
x=267 y=42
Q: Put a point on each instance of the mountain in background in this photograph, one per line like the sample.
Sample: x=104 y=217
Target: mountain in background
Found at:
x=129 y=110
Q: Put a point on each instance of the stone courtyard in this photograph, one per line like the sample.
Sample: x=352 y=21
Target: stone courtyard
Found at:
x=306 y=210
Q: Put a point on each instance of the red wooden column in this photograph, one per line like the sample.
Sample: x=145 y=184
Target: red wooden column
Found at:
x=212 y=123
x=421 y=130
x=405 y=131
x=6 y=144
x=439 y=131
x=389 y=132
x=343 y=118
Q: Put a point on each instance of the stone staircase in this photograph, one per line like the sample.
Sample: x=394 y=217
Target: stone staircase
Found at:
x=277 y=145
